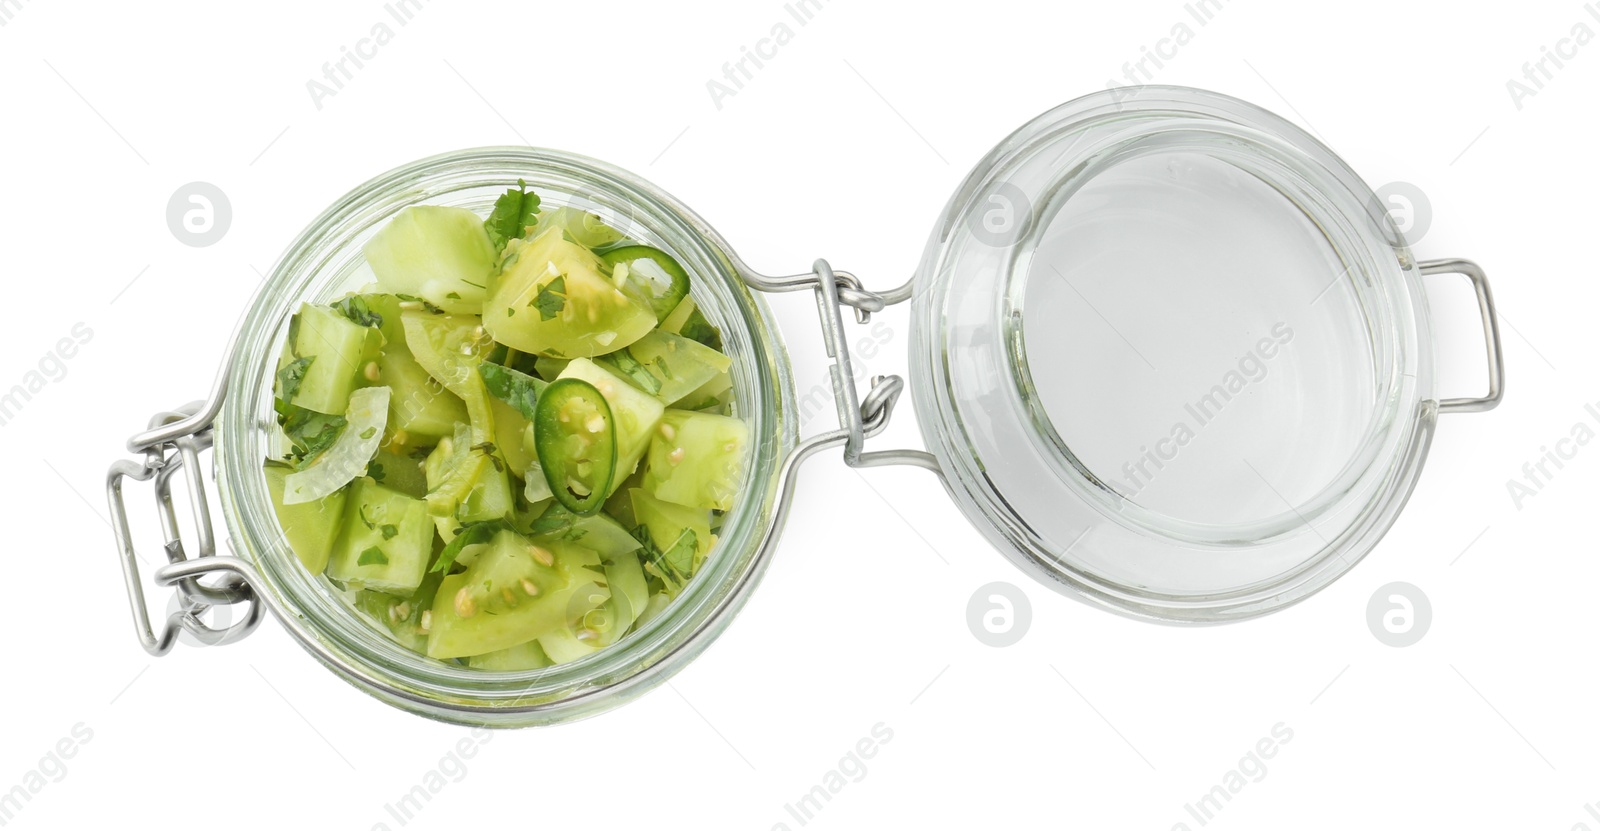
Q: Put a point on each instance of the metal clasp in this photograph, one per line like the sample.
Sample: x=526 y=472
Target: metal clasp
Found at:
x=179 y=439
x=859 y=418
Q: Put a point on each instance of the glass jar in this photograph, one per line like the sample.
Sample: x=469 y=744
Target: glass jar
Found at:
x=1187 y=222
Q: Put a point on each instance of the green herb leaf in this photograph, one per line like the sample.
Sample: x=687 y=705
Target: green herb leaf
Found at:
x=309 y=431
x=368 y=433
x=355 y=308
x=519 y=390
x=468 y=535
x=555 y=518
x=681 y=555
x=375 y=470
x=624 y=362
x=513 y=212
x=700 y=330
x=389 y=531
x=666 y=565
x=552 y=298
x=291 y=375
x=373 y=556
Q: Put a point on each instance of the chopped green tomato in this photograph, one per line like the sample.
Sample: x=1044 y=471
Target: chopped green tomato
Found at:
x=673 y=323
x=553 y=300
x=648 y=274
x=421 y=405
x=457 y=471
x=636 y=414
x=349 y=454
x=516 y=592
x=657 y=604
x=386 y=541
x=714 y=396
x=535 y=487
x=488 y=494
x=449 y=347
x=697 y=459
x=440 y=254
x=582 y=227
x=512 y=396
x=326 y=359
x=619 y=505
x=577 y=444
x=563 y=646
x=517 y=658
x=403 y=617
x=677 y=538
x=597 y=532
x=669 y=367
x=550 y=368
x=629 y=594
x=402 y=473
x=509 y=426
x=310 y=527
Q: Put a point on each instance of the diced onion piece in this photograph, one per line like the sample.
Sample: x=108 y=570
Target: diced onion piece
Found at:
x=365 y=418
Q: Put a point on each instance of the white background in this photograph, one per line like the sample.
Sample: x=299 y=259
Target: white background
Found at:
x=845 y=145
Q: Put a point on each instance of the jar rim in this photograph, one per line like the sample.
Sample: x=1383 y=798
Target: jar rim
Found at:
x=998 y=500
x=317 y=267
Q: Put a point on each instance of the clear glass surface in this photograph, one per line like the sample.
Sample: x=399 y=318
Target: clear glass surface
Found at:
x=326 y=262
x=1172 y=355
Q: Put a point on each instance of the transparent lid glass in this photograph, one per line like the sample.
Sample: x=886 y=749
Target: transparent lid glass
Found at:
x=1172 y=354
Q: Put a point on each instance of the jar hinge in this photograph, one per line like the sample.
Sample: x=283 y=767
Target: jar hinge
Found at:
x=860 y=418
x=173 y=443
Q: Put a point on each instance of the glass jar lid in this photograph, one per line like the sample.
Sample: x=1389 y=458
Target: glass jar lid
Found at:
x=1173 y=355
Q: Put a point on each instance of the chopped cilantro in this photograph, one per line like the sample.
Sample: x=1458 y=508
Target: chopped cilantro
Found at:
x=309 y=431
x=514 y=211
x=673 y=566
x=373 y=556
x=515 y=388
x=473 y=534
x=356 y=309
x=552 y=298
x=389 y=531
x=291 y=375
x=700 y=330
x=624 y=362
x=681 y=555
